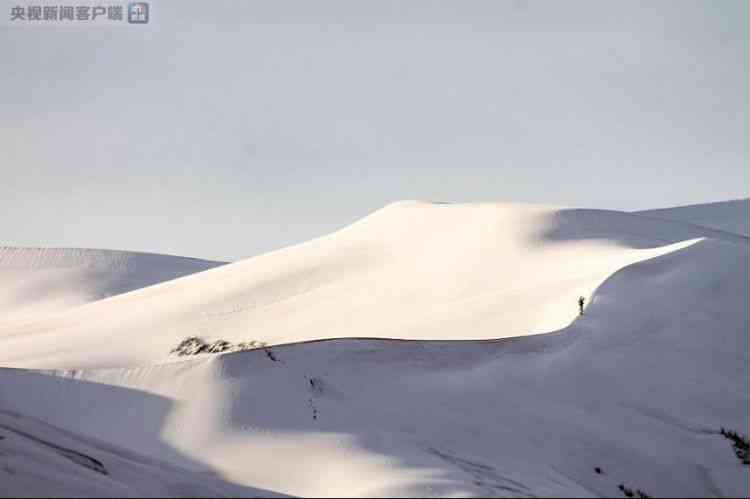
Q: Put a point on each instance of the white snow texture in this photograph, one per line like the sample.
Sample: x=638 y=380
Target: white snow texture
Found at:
x=427 y=350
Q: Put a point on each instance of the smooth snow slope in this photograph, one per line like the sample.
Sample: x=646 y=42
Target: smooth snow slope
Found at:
x=39 y=460
x=410 y=271
x=730 y=216
x=639 y=386
x=38 y=282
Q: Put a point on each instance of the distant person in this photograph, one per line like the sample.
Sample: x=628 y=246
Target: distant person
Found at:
x=581 y=303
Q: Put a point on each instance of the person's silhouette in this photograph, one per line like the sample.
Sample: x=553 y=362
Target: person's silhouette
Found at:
x=581 y=302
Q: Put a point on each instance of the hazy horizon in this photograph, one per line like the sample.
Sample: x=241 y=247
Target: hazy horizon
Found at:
x=226 y=130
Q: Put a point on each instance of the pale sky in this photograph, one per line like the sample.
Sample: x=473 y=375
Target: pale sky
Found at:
x=225 y=129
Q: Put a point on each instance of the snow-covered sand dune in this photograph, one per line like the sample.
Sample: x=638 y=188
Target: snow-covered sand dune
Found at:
x=639 y=387
x=409 y=271
x=731 y=216
x=39 y=460
x=37 y=282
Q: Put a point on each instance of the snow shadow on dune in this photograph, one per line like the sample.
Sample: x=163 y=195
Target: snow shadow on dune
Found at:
x=639 y=387
x=624 y=229
x=634 y=392
x=115 y=421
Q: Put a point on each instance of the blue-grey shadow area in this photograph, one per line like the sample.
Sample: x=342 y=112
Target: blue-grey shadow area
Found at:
x=638 y=375
x=630 y=230
x=97 y=415
x=732 y=216
x=637 y=386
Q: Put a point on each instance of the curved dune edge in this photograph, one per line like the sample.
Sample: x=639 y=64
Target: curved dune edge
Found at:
x=409 y=271
x=638 y=387
x=530 y=416
x=730 y=216
x=42 y=282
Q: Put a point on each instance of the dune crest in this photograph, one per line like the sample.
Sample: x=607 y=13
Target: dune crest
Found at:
x=635 y=394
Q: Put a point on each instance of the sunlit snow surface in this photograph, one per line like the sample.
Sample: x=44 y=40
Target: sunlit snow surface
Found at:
x=507 y=392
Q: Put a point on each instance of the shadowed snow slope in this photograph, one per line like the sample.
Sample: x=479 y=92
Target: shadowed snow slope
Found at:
x=730 y=216
x=36 y=282
x=639 y=386
x=39 y=460
x=410 y=271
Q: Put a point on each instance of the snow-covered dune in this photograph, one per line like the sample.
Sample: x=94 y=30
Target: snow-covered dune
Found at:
x=639 y=388
x=730 y=216
x=633 y=394
x=36 y=282
x=410 y=271
x=40 y=460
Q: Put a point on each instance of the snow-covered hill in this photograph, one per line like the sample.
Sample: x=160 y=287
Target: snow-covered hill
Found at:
x=37 y=282
x=633 y=394
x=731 y=216
x=410 y=271
x=40 y=460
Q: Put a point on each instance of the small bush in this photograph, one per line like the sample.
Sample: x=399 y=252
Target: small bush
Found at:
x=249 y=345
x=740 y=444
x=195 y=346
x=270 y=354
x=191 y=346
x=219 y=346
x=630 y=493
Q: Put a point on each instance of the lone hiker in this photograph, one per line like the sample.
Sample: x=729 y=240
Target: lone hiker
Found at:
x=581 y=303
